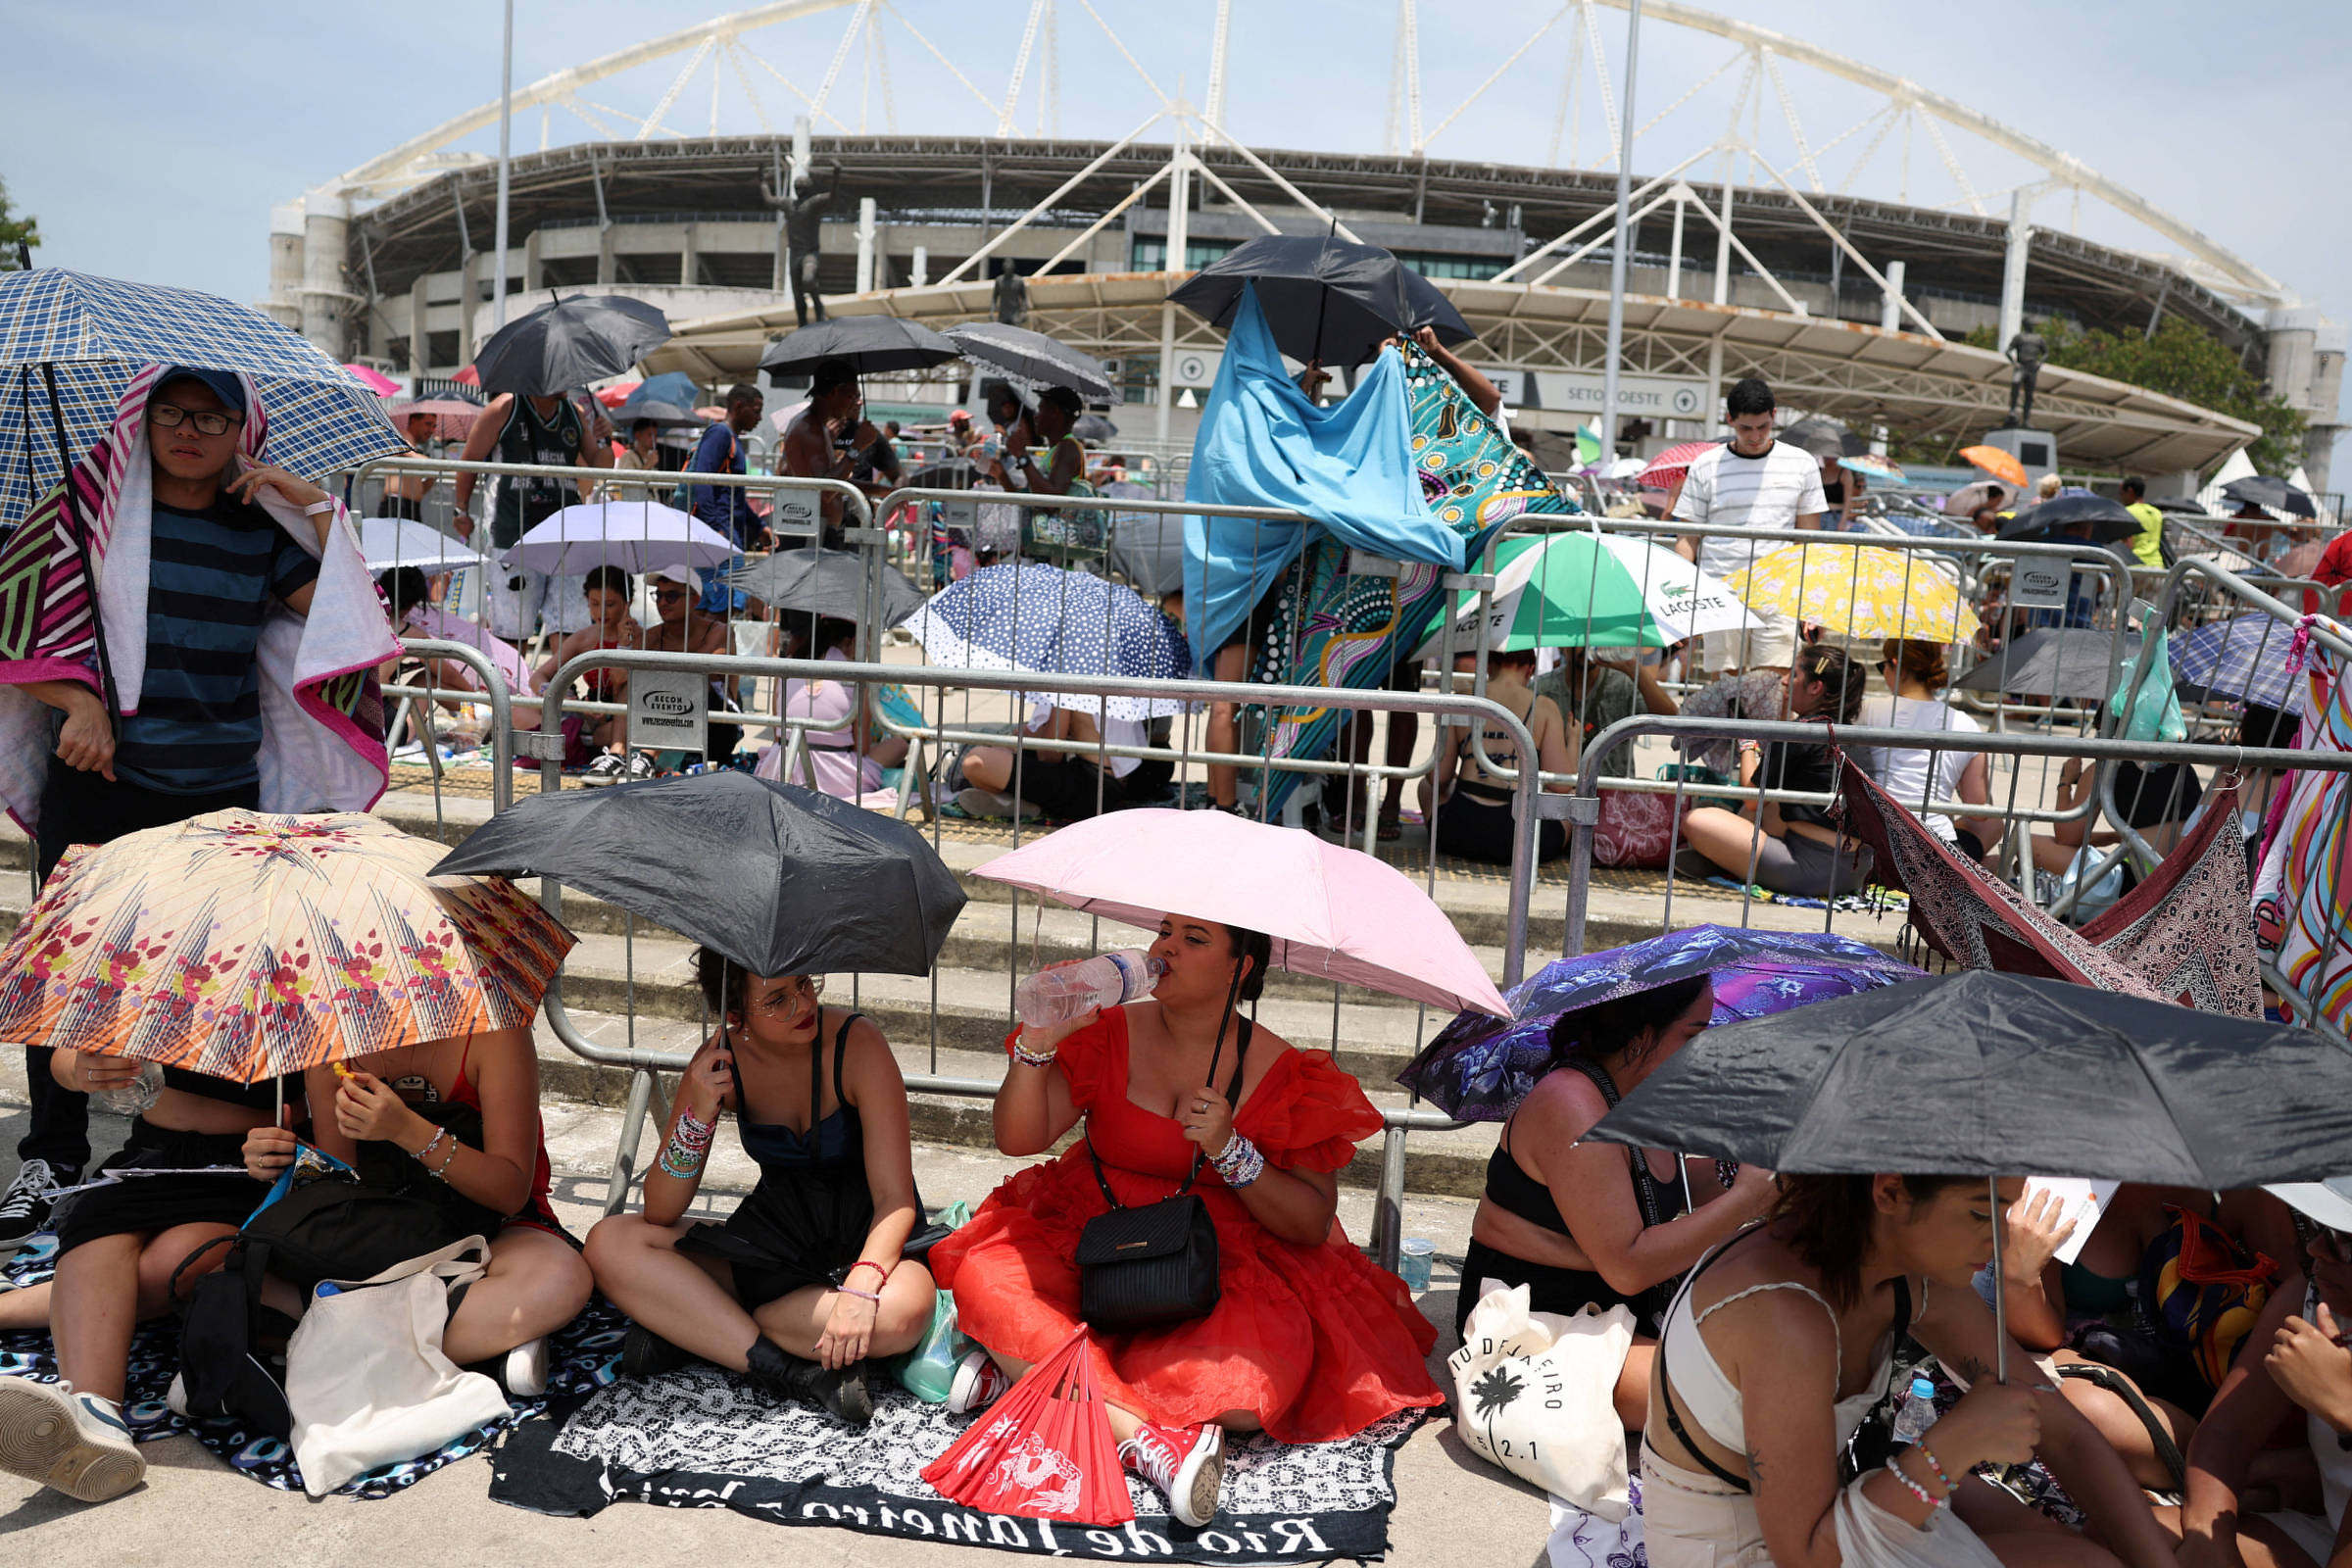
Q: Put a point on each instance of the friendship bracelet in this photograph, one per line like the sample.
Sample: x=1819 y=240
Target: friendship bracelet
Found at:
x=1913 y=1486
x=439 y=1133
x=863 y=1296
x=1031 y=1058
x=1240 y=1163
x=869 y=1264
x=689 y=1143
x=1921 y=1448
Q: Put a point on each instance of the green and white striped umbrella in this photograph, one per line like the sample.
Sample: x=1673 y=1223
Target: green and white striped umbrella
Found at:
x=1585 y=589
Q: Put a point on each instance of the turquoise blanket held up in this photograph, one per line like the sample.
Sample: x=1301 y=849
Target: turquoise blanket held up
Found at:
x=1262 y=443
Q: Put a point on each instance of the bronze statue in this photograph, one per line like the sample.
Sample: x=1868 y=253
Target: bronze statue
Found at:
x=2026 y=353
x=802 y=231
x=1009 y=299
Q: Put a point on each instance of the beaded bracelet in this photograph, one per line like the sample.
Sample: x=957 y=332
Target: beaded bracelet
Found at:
x=1913 y=1486
x=1925 y=1452
x=439 y=1133
x=689 y=1143
x=863 y=1296
x=1031 y=1058
x=449 y=1157
x=1240 y=1163
x=866 y=1263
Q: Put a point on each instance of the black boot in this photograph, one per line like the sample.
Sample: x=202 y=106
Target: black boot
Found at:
x=646 y=1354
x=780 y=1375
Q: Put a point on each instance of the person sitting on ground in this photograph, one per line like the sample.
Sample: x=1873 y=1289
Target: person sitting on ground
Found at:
x=1594 y=1223
x=1067 y=783
x=846 y=760
x=685 y=627
x=2291 y=1384
x=2158 y=802
x=1913 y=775
x=1309 y=1341
x=1600 y=692
x=590 y=738
x=1795 y=849
x=408 y=593
x=118 y=1248
x=1470 y=803
x=1783 y=1340
x=806 y=1281
x=466 y=1109
x=2089 y=1313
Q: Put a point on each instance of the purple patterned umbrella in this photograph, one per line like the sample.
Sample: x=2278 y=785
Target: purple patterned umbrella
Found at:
x=1480 y=1067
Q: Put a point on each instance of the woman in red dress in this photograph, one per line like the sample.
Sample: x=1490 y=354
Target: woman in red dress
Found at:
x=1309 y=1341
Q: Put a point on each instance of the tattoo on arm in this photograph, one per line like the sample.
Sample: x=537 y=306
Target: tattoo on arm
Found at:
x=1755 y=1471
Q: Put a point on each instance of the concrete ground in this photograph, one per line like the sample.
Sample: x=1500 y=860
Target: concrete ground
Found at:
x=194 y=1510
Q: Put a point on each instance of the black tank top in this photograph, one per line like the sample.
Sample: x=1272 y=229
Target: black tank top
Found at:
x=1513 y=1191
x=526 y=438
x=831 y=1140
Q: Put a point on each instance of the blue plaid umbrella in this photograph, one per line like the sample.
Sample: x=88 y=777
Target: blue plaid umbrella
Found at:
x=97 y=332
x=1480 y=1067
x=1046 y=620
x=2241 y=660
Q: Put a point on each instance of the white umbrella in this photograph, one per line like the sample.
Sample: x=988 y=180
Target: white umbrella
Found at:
x=390 y=542
x=633 y=535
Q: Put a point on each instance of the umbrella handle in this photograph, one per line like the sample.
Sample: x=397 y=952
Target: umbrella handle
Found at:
x=2000 y=1312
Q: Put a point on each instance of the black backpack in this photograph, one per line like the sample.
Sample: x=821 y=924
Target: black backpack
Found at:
x=339 y=1227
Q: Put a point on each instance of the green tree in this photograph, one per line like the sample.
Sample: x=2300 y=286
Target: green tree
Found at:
x=13 y=232
x=2181 y=360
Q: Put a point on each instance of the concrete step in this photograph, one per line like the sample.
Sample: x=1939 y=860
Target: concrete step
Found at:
x=1450 y=1162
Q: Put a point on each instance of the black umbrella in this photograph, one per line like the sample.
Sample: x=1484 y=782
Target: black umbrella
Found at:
x=2051 y=663
x=1031 y=356
x=827 y=582
x=1822 y=438
x=1986 y=1074
x=1094 y=427
x=663 y=414
x=780 y=879
x=2269 y=490
x=2108 y=519
x=1325 y=298
x=568 y=343
x=869 y=343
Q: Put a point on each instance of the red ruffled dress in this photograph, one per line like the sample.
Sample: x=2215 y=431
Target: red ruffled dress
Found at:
x=1318 y=1342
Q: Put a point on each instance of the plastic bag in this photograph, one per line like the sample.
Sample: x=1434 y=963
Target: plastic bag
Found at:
x=927 y=1370
x=2156 y=711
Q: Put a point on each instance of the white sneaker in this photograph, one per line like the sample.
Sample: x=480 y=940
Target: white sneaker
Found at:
x=526 y=1369
x=607 y=768
x=74 y=1442
x=1187 y=1463
x=978 y=1383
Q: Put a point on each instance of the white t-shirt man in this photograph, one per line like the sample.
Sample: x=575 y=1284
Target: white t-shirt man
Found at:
x=1902 y=771
x=1727 y=488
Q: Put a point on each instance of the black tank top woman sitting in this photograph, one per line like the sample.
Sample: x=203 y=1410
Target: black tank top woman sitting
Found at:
x=1589 y=1222
x=805 y=1281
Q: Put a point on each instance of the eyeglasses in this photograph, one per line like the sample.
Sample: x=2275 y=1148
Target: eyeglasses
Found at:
x=668 y=592
x=171 y=417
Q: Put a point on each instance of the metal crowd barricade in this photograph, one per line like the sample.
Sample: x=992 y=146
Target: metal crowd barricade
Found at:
x=500 y=731
x=1848 y=737
x=644 y=1064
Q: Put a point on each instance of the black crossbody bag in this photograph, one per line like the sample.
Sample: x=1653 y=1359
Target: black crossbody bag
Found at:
x=1154 y=1266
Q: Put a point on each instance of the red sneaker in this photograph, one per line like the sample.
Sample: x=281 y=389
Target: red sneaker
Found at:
x=1187 y=1463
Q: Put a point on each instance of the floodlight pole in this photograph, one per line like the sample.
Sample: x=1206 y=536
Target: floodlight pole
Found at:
x=1625 y=181
x=1180 y=197
x=506 y=130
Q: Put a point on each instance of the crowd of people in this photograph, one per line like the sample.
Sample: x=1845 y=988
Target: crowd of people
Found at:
x=1769 y=1311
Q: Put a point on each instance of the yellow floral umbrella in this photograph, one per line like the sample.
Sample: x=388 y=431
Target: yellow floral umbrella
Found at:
x=245 y=945
x=1858 y=591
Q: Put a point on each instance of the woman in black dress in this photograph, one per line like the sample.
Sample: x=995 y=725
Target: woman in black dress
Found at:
x=805 y=1281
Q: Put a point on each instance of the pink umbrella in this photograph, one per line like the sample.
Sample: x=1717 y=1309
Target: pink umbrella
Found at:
x=374 y=380
x=1332 y=911
x=453 y=418
x=1672 y=463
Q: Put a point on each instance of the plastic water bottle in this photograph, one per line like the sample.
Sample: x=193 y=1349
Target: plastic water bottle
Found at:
x=1055 y=995
x=138 y=1096
x=1918 y=1412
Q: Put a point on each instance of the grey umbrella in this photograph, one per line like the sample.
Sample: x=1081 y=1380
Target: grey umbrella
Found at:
x=869 y=343
x=570 y=342
x=1016 y=351
x=827 y=582
x=2269 y=490
x=2052 y=663
x=1147 y=548
x=780 y=879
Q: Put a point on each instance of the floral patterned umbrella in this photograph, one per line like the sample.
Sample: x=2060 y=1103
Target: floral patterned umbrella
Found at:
x=245 y=945
x=1480 y=1067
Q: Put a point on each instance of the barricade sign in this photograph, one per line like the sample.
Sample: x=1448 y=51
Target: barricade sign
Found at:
x=668 y=710
x=2038 y=583
x=795 y=512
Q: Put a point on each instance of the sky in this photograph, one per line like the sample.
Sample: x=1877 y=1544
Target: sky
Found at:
x=154 y=145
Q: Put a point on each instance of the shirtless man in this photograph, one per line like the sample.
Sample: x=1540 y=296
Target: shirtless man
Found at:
x=825 y=438
x=403 y=493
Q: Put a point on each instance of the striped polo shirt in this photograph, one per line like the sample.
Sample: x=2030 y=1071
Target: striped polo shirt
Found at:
x=210 y=579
